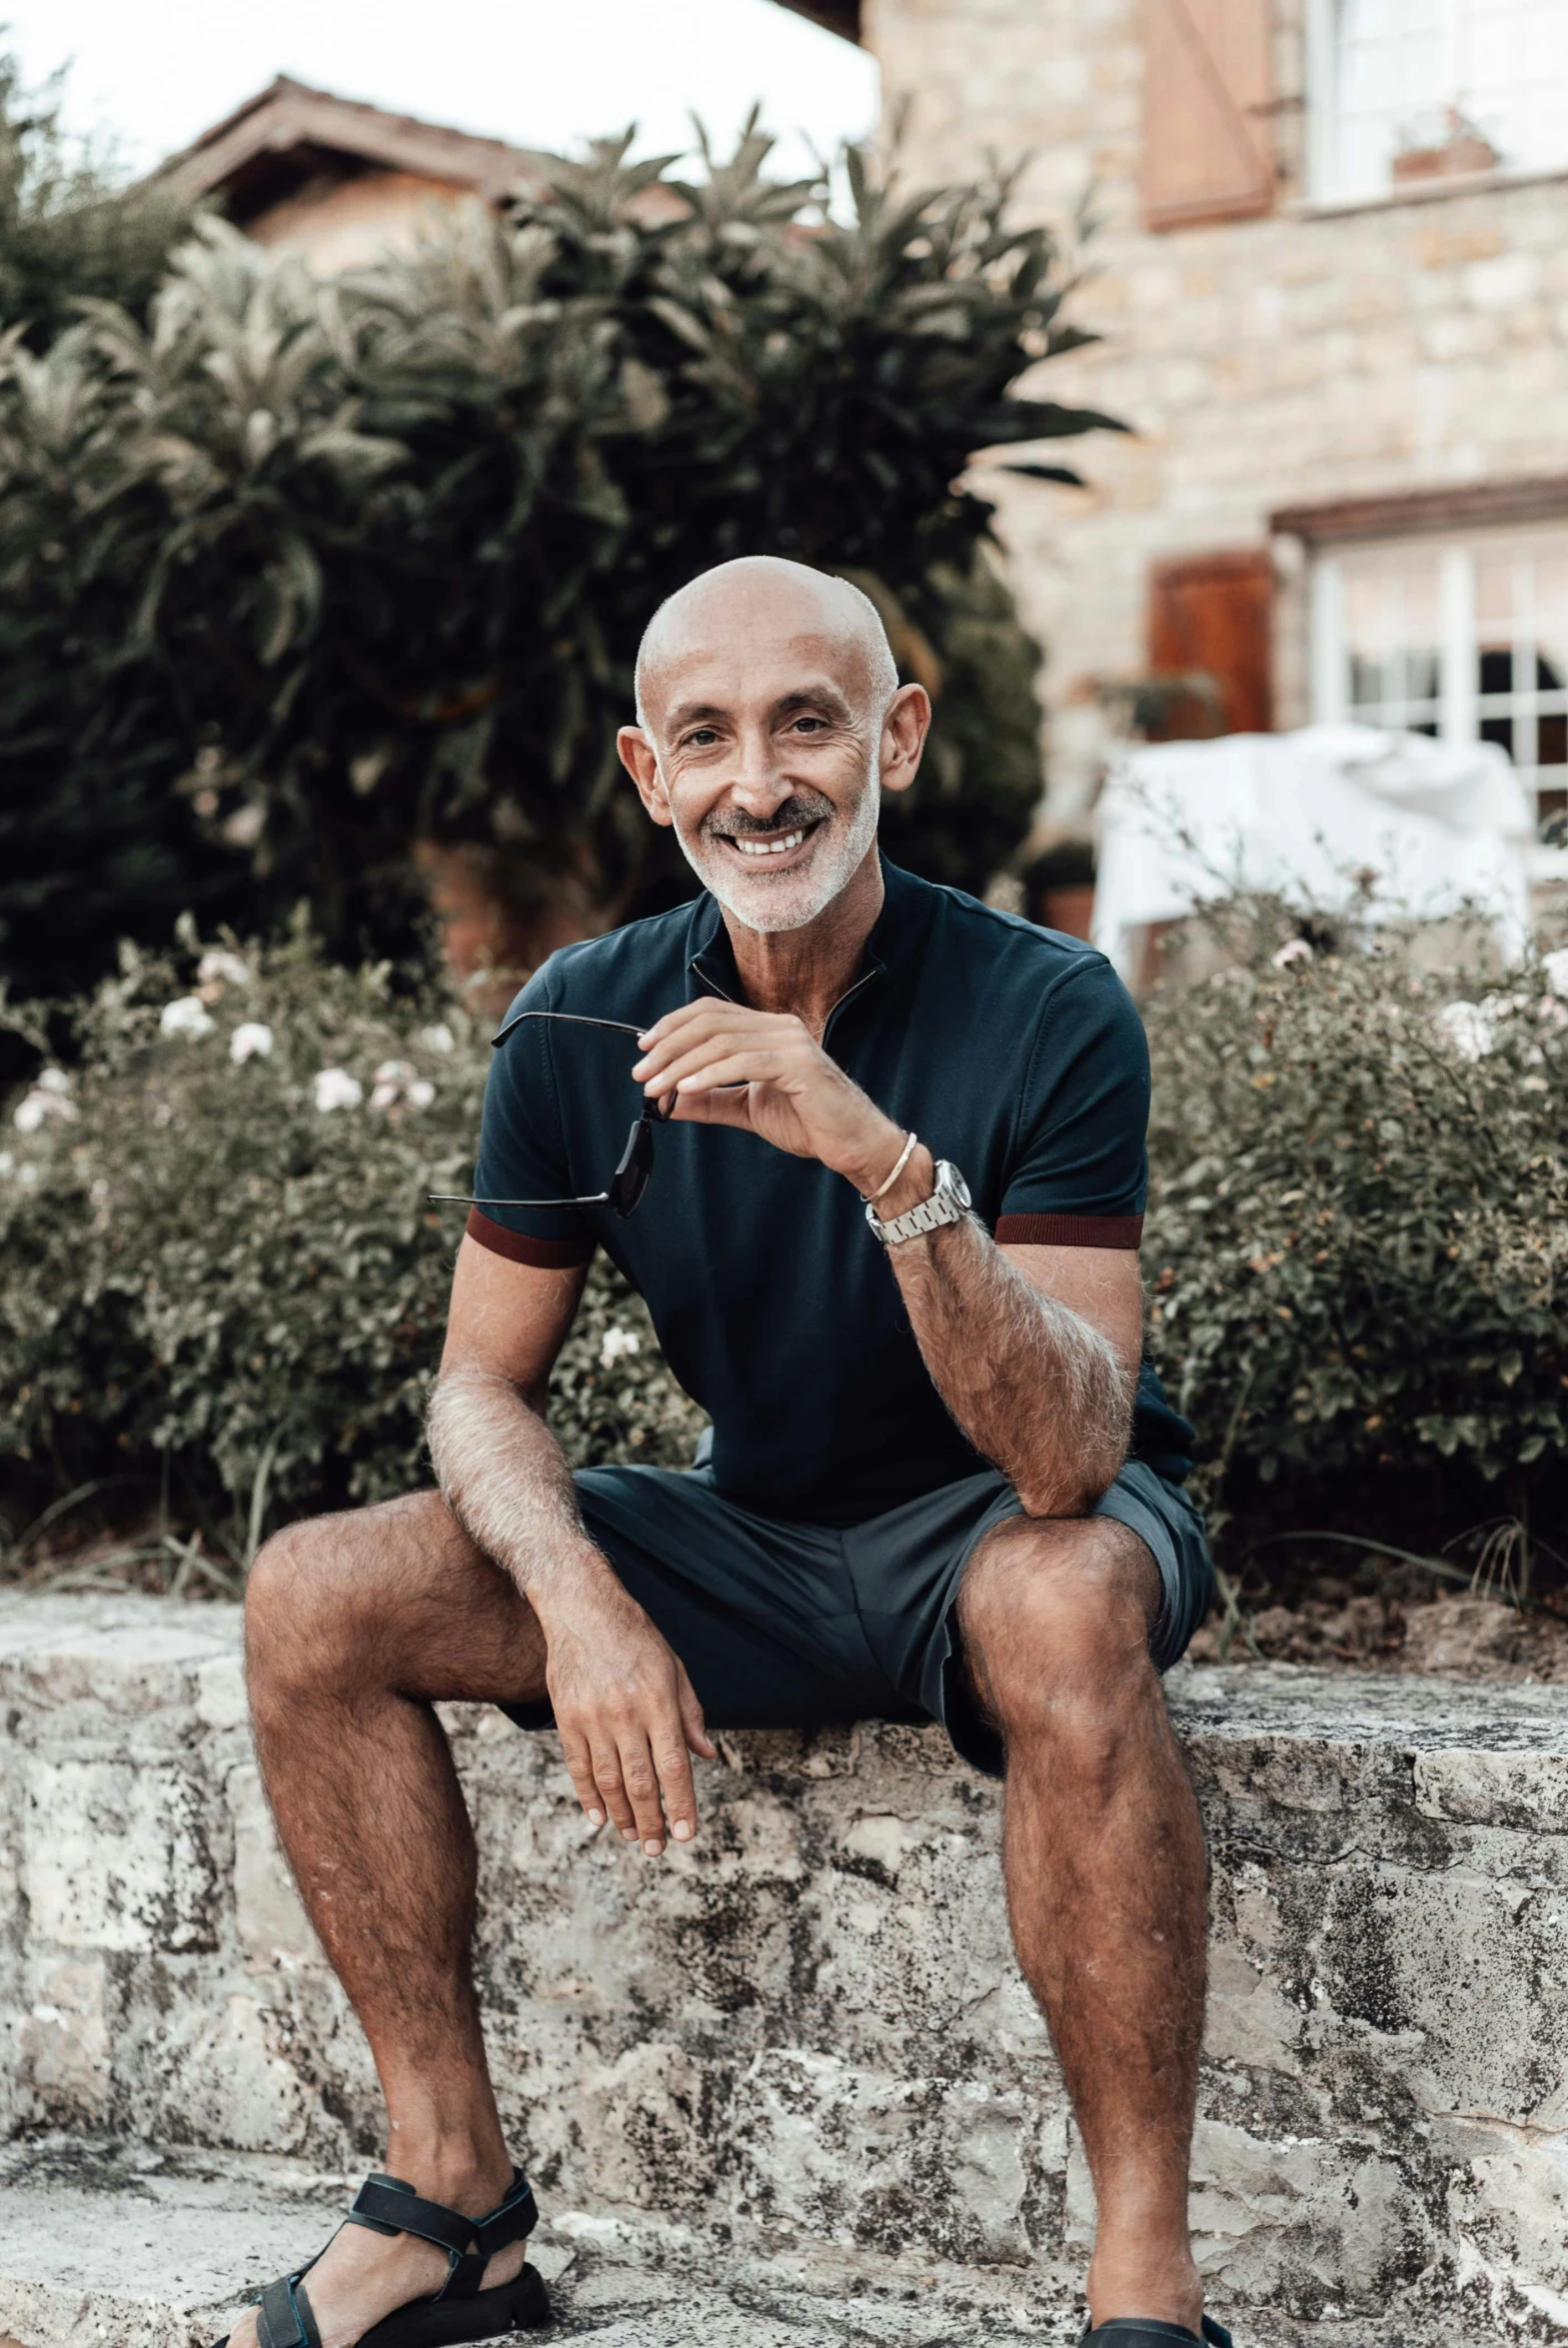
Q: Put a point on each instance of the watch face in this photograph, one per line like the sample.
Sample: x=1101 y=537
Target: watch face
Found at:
x=958 y=1188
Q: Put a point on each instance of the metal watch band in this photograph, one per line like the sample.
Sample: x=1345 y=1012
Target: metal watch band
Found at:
x=948 y=1202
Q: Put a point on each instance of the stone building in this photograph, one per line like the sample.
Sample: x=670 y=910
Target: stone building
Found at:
x=1331 y=274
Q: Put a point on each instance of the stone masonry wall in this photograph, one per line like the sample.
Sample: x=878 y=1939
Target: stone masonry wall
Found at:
x=1402 y=345
x=810 y=2024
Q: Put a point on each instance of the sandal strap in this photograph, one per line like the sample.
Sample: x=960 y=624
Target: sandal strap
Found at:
x=386 y=2206
x=284 y=2316
x=513 y=2220
x=1128 y=2331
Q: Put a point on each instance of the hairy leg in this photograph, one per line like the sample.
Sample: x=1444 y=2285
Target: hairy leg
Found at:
x=355 y=1626
x=1106 y=1877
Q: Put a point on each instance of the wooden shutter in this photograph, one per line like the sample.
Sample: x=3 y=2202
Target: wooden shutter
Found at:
x=1210 y=617
x=1209 y=126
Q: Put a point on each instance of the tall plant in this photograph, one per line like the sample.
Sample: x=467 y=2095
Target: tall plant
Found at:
x=300 y=573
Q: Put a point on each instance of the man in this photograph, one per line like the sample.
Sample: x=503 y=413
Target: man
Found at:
x=920 y=1500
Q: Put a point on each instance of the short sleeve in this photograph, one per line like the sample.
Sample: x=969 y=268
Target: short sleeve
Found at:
x=521 y=1148
x=1080 y=1169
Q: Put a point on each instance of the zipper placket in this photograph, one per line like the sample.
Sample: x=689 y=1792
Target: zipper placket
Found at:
x=849 y=994
x=863 y=980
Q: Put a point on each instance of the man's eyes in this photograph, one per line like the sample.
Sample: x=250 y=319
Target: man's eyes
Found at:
x=814 y=725
x=701 y=737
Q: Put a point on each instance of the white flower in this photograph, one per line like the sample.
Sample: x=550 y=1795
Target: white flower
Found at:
x=252 y=1040
x=393 y=1072
x=383 y=1096
x=438 y=1038
x=48 y=1102
x=1294 y=950
x=1470 y=1027
x=7 y=1162
x=1534 y=1085
x=1556 y=967
x=336 y=1089
x=421 y=1092
x=27 y=1172
x=224 y=967
x=188 y=1017
x=617 y=1342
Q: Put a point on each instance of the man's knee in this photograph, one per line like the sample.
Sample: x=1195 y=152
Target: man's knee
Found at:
x=1056 y=1617
x=321 y=1598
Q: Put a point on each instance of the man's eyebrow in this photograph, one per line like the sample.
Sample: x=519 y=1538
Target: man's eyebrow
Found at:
x=813 y=698
x=689 y=712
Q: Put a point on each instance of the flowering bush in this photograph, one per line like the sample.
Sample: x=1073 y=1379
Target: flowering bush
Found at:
x=218 y=1259
x=1357 y=1245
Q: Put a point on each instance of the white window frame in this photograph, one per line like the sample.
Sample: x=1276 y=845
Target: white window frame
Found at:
x=1459 y=703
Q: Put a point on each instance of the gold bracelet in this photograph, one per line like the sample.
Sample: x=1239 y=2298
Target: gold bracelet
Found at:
x=905 y=1156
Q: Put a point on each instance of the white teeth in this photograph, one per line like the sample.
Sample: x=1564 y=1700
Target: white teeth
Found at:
x=771 y=847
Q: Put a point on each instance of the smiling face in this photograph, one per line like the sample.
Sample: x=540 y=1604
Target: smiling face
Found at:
x=772 y=718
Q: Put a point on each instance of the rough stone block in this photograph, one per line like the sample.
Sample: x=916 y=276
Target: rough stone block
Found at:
x=808 y=2027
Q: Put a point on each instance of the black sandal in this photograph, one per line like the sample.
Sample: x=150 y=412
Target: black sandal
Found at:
x=460 y=2310
x=1137 y=2332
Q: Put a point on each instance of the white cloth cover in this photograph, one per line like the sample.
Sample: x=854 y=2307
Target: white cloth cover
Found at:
x=1440 y=824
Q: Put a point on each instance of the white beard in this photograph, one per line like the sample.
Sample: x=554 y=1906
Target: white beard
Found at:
x=769 y=902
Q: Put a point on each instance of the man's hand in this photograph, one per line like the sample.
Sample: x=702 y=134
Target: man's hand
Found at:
x=722 y=1064
x=627 y=1713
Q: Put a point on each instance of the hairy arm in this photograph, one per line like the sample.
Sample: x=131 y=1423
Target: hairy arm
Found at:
x=624 y=1707
x=1035 y=1350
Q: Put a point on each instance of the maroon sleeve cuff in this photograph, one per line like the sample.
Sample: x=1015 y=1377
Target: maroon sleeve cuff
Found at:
x=523 y=1247
x=1069 y=1230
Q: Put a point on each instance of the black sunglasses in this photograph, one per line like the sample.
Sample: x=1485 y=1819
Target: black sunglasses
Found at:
x=630 y=1180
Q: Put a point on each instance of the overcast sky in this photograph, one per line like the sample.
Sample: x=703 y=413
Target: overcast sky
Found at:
x=155 y=73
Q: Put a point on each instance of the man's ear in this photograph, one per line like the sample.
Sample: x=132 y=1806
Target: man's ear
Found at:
x=641 y=761
x=905 y=729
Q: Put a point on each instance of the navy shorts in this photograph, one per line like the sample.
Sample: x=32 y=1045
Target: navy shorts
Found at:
x=785 y=1625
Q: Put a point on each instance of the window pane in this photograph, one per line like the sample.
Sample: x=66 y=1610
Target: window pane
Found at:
x=1392 y=637
x=1429 y=75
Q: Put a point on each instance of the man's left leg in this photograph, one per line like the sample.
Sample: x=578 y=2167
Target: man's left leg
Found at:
x=1106 y=1875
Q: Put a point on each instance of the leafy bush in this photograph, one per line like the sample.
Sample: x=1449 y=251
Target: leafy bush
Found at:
x=219 y=1268
x=1357 y=1243
x=299 y=574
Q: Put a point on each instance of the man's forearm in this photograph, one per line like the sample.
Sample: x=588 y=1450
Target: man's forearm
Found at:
x=1031 y=1383
x=507 y=1481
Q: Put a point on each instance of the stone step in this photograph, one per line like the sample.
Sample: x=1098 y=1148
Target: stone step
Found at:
x=804 y=2037
x=105 y=2246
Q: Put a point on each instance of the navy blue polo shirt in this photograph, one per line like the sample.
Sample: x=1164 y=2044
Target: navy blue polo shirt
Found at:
x=1013 y=1051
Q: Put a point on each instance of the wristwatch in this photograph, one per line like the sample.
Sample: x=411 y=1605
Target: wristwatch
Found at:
x=948 y=1202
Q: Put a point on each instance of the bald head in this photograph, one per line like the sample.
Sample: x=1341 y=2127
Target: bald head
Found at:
x=762 y=597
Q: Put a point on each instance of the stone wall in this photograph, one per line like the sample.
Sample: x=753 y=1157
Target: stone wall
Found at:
x=1402 y=345
x=808 y=2027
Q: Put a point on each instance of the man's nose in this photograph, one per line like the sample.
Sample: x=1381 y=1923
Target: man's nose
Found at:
x=757 y=783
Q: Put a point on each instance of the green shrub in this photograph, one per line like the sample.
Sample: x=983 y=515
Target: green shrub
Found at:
x=1357 y=1243
x=207 y=1273
x=298 y=574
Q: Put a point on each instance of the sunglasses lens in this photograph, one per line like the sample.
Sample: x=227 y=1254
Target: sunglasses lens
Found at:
x=630 y=1178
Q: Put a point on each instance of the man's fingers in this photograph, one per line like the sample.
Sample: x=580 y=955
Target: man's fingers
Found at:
x=733 y=1107
x=674 y=1783
x=754 y=1063
x=641 y=1784
x=693 y=1724
x=607 y=1776
x=738 y=1068
x=580 y=1768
